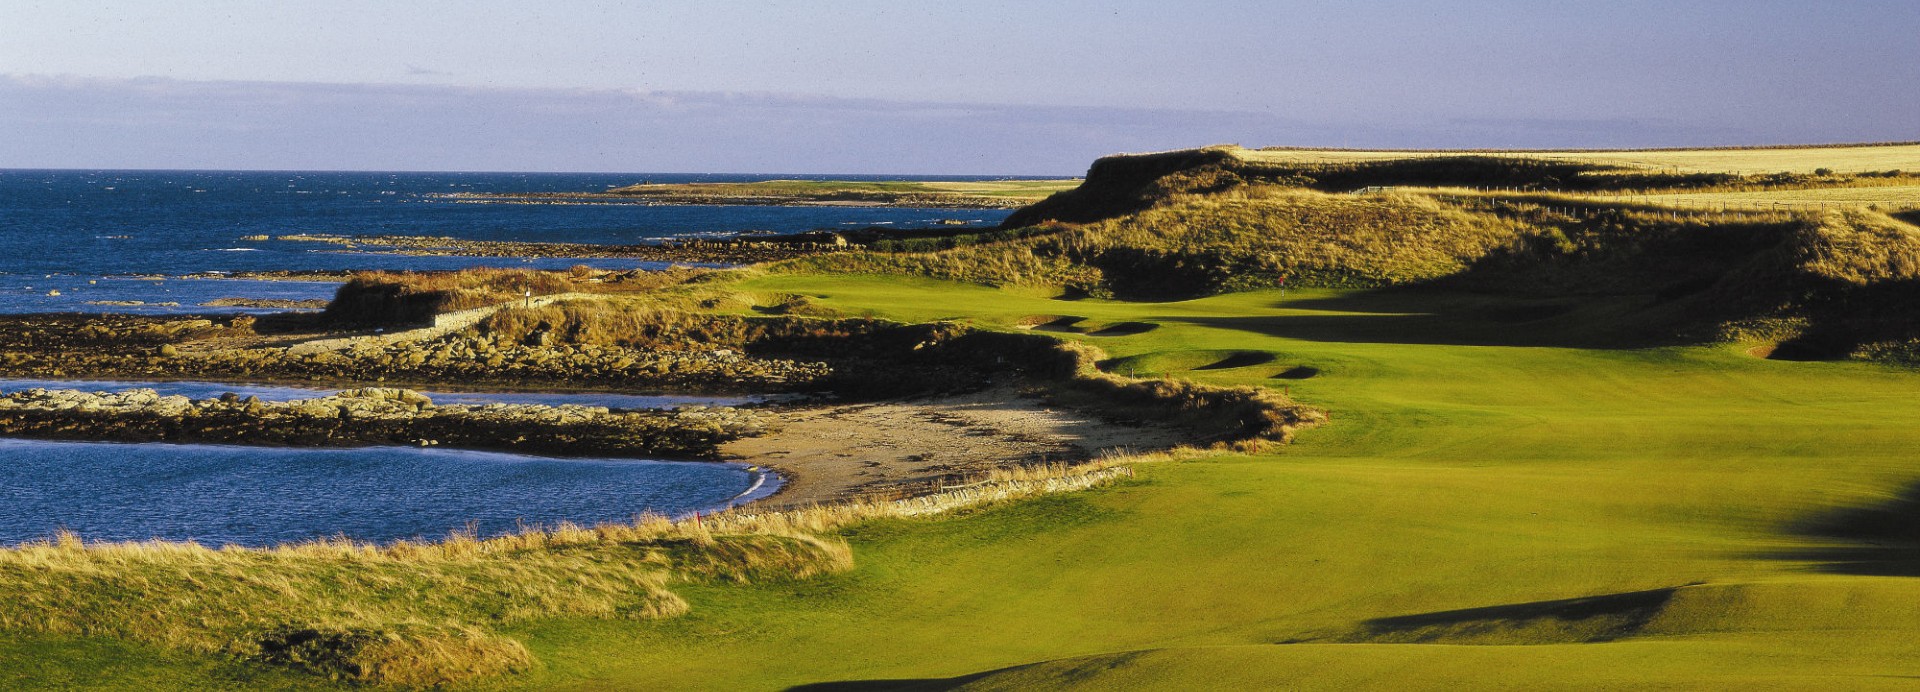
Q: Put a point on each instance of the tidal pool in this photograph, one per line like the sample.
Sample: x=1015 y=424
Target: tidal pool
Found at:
x=259 y=496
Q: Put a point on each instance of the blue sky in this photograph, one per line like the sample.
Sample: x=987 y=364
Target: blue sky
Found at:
x=924 y=87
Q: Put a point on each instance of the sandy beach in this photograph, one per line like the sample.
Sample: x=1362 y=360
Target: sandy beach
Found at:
x=838 y=451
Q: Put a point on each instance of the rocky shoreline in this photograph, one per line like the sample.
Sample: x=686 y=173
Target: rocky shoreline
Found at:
x=896 y=423
x=737 y=251
x=376 y=416
x=916 y=200
x=33 y=346
x=268 y=303
x=466 y=358
x=316 y=275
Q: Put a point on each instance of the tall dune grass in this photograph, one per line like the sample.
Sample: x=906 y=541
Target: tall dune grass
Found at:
x=407 y=613
x=425 y=613
x=1197 y=243
x=415 y=297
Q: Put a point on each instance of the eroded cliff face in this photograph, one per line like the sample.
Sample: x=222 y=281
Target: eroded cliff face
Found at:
x=1127 y=183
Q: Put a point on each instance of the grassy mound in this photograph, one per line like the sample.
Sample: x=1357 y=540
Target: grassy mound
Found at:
x=413 y=298
x=885 y=358
x=1192 y=223
x=1119 y=185
x=1238 y=239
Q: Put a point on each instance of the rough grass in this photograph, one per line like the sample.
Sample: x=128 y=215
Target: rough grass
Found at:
x=1121 y=185
x=665 y=326
x=1251 y=237
x=415 y=297
x=1842 y=158
x=1255 y=236
x=603 y=323
x=1193 y=223
x=427 y=613
x=1194 y=244
x=407 y=613
x=1896 y=195
x=1859 y=248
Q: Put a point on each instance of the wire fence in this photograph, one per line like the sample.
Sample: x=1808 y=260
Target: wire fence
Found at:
x=1580 y=203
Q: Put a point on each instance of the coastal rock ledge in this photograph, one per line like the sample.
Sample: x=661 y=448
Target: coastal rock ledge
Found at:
x=375 y=416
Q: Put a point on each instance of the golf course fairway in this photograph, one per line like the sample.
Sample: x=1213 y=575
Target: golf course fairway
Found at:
x=1458 y=473
x=1518 y=504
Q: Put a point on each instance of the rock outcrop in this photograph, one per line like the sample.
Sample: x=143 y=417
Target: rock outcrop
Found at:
x=374 y=416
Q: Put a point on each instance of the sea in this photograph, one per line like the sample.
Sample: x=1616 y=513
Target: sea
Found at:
x=261 y=496
x=127 y=241
x=101 y=241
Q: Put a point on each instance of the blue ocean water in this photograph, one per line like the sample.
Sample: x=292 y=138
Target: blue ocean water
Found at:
x=90 y=240
x=85 y=233
x=264 y=496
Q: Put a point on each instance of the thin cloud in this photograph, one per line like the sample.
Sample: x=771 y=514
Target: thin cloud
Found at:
x=417 y=71
x=164 y=123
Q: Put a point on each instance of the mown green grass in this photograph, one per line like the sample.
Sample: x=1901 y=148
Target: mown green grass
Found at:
x=106 y=664
x=1471 y=462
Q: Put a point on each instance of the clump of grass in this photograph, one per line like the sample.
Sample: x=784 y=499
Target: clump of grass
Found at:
x=415 y=297
x=1900 y=351
x=1858 y=248
x=1022 y=263
x=604 y=324
x=407 y=613
x=411 y=656
x=392 y=298
x=662 y=326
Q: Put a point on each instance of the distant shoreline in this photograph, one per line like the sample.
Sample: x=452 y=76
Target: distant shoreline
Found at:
x=950 y=194
x=589 y=198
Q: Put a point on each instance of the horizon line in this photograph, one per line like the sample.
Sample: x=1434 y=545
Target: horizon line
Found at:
x=1006 y=176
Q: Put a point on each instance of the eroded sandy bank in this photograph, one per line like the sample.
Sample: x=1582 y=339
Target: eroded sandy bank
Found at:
x=839 y=451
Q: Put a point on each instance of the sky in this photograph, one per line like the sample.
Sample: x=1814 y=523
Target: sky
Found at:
x=910 y=87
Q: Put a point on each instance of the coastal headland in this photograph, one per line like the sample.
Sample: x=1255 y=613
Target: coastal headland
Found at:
x=950 y=194
x=1213 y=416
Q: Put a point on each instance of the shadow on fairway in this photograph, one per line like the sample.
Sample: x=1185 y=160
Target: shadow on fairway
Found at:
x=1403 y=316
x=1079 y=669
x=1565 y=621
x=1240 y=359
x=901 y=685
x=1887 y=536
x=1125 y=329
